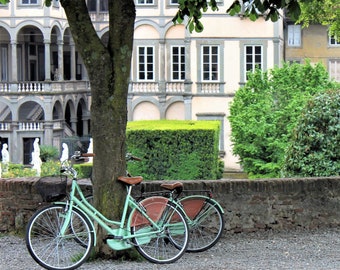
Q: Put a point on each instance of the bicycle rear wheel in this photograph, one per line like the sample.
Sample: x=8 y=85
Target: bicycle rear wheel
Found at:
x=52 y=250
x=167 y=244
x=206 y=222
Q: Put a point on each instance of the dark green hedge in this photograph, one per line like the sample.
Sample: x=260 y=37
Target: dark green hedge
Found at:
x=84 y=170
x=174 y=149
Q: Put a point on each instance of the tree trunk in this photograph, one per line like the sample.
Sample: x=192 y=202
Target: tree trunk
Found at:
x=109 y=71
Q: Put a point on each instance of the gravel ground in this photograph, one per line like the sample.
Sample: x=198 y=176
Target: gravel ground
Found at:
x=295 y=250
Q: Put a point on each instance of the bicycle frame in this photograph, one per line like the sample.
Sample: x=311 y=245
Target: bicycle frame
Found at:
x=119 y=237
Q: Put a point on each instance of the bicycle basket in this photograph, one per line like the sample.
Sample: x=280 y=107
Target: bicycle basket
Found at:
x=52 y=188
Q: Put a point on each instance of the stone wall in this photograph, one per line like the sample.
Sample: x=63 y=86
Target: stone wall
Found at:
x=249 y=205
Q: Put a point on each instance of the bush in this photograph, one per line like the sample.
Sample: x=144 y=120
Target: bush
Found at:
x=174 y=149
x=84 y=170
x=48 y=152
x=19 y=170
x=315 y=147
x=265 y=111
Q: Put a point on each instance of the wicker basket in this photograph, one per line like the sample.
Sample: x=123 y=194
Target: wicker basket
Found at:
x=52 y=188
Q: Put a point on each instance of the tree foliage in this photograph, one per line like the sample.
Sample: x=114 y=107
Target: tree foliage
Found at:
x=265 y=111
x=314 y=148
x=326 y=12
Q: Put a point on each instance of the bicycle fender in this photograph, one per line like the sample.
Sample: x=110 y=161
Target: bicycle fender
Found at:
x=90 y=221
x=204 y=198
x=153 y=207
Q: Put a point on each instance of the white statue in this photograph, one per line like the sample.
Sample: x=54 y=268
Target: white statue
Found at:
x=5 y=157
x=90 y=150
x=36 y=160
x=64 y=153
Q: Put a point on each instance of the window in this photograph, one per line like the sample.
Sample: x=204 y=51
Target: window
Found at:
x=177 y=63
x=94 y=5
x=29 y=2
x=334 y=69
x=173 y=2
x=146 y=63
x=104 y=5
x=210 y=63
x=333 y=41
x=294 y=35
x=55 y=3
x=144 y=2
x=253 y=57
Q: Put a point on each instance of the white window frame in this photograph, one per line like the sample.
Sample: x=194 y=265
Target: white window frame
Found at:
x=294 y=35
x=29 y=2
x=207 y=67
x=173 y=2
x=145 y=63
x=254 y=61
x=145 y=2
x=334 y=69
x=333 y=42
x=180 y=62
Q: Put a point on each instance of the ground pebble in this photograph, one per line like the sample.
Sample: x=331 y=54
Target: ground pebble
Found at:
x=268 y=250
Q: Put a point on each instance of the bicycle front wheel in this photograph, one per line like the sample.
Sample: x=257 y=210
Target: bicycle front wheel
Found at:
x=52 y=250
x=168 y=242
x=206 y=222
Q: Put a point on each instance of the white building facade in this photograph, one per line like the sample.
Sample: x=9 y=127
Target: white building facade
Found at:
x=44 y=89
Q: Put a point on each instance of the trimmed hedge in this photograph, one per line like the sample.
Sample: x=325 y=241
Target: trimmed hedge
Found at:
x=175 y=149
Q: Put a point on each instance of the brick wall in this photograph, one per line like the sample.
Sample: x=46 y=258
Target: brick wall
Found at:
x=249 y=205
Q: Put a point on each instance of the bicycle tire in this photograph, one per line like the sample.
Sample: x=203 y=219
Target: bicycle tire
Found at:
x=168 y=245
x=206 y=222
x=52 y=251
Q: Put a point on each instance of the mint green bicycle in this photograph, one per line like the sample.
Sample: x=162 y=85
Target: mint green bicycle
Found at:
x=62 y=234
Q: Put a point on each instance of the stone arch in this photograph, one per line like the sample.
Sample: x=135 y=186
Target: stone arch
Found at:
x=34 y=25
x=174 y=31
x=5 y=112
x=81 y=113
x=57 y=112
x=31 y=111
x=146 y=26
x=104 y=35
x=146 y=110
x=55 y=40
x=31 y=53
x=67 y=43
x=175 y=111
x=70 y=115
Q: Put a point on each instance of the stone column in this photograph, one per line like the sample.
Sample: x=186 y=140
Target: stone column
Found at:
x=73 y=61
x=162 y=85
x=14 y=72
x=60 y=61
x=47 y=60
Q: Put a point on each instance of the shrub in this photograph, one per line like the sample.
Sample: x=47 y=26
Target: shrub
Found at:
x=84 y=170
x=265 y=111
x=315 y=146
x=174 y=149
x=48 y=152
x=19 y=170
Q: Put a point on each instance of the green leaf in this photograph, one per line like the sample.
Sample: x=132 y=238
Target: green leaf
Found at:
x=199 y=27
x=191 y=26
